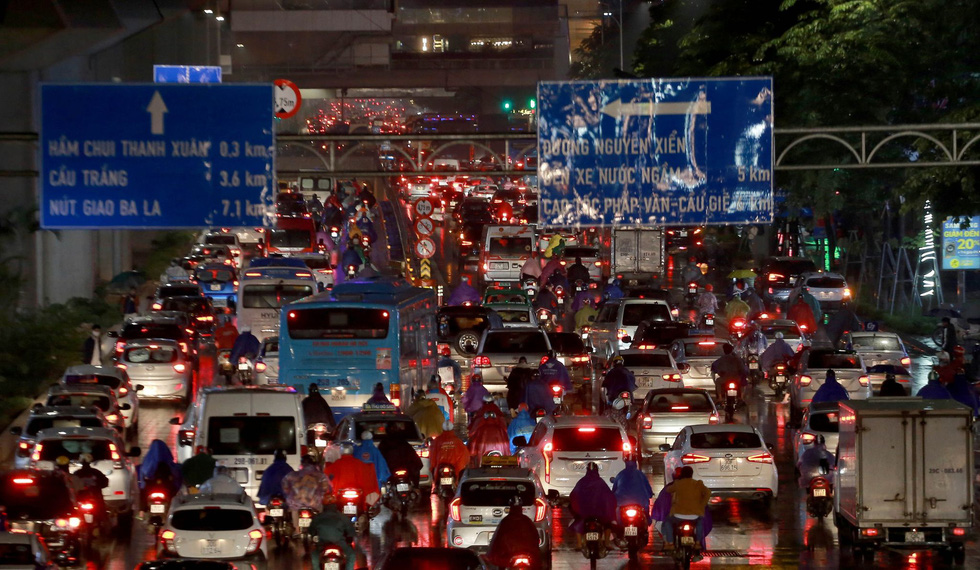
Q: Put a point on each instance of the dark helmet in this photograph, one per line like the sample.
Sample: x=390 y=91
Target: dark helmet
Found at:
x=314 y=389
x=280 y=455
x=889 y=377
x=820 y=440
x=516 y=501
x=592 y=467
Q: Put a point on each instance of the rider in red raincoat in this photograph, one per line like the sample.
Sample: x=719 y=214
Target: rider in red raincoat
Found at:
x=489 y=434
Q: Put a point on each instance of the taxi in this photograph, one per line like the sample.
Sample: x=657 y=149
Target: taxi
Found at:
x=382 y=420
x=483 y=498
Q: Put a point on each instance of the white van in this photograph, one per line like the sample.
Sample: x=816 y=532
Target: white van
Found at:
x=243 y=427
x=505 y=249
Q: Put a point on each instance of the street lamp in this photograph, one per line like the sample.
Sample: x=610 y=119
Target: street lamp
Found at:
x=608 y=13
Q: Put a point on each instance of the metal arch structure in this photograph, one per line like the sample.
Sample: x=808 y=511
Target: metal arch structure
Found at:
x=951 y=141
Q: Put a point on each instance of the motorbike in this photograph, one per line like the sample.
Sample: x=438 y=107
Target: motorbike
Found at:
x=519 y=562
x=331 y=557
x=277 y=520
x=335 y=234
x=778 y=375
x=560 y=295
x=622 y=413
x=94 y=513
x=539 y=414
x=707 y=321
x=305 y=521
x=546 y=319
x=594 y=544
x=401 y=493
x=530 y=286
x=736 y=328
x=819 y=497
x=558 y=397
x=685 y=544
x=316 y=439
x=636 y=531
x=225 y=367
x=692 y=294
x=584 y=332
x=581 y=285
x=353 y=506
x=755 y=369
x=158 y=501
x=246 y=370
x=732 y=392
x=446 y=478
x=351 y=271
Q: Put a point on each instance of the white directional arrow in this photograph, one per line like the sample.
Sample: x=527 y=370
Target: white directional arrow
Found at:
x=617 y=108
x=156 y=109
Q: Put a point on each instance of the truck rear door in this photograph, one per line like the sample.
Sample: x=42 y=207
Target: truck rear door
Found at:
x=885 y=457
x=624 y=250
x=945 y=492
x=649 y=257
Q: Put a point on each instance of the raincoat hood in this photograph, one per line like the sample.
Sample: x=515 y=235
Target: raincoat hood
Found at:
x=157 y=454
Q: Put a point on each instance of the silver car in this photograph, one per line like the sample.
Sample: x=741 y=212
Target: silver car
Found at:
x=267 y=364
x=829 y=288
x=160 y=366
x=877 y=348
x=500 y=349
x=116 y=379
x=45 y=417
x=699 y=352
x=215 y=527
x=848 y=367
x=820 y=419
x=665 y=413
x=654 y=370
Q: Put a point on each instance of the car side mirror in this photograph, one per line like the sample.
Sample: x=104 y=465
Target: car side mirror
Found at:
x=16 y=430
x=135 y=451
x=175 y=421
x=125 y=407
x=626 y=339
x=665 y=447
x=139 y=387
x=520 y=441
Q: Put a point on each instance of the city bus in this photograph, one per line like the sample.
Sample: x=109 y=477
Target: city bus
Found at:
x=366 y=331
x=265 y=286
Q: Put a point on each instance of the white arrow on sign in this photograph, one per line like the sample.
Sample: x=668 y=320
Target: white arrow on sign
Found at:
x=156 y=109
x=617 y=108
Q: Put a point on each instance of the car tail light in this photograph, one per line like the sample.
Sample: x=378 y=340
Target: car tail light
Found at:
x=254 y=541
x=454 y=509
x=183 y=347
x=690 y=458
x=647 y=347
x=112 y=418
x=37 y=453
x=586 y=429
x=760 y=458
x=713 y=418
x=847 y=293
x=776 y=277
x=123 y=390
x=647 y=422
x=906 y=362
x=805 y=380
x=864 y=380
x=157 y=306
x=260 y=367
x=803 y=327
x=481 y=362
x=706 y=343
x=675 y=377
x=179 y=368
x=548 y=448
x=808 y=438
x=70 y=522
x=120 y=345
x=869 y=532
x=23 y=480
x=167 y=540
x=680 y=408
x=957 y=531
x=580 y=359
x=122 y=366
x=539 y=509
x=627 y=448
x=114 y=452
x=235 y=282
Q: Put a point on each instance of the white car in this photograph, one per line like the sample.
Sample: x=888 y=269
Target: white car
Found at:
x=732 y=460
x=267 y=364
x=117 y=380
x=654 y=370
x=848 y=367
x=822 y=418
x=699 y=353
x=215 y=527
x=877 y=348
x=829 y=288
x=160 y=367
x=21 y=549
x=108 y=456
x=560 y=449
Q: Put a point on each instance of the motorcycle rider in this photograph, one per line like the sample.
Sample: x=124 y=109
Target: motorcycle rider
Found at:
x=948 y=341
x=813 y=303
x=803 y=315
x=691 y=272
x=815 y=461
x=247 y=345
x=225 y=335
x=756 y=343
x=728 y=367
x=618 y=379
x=631 y=487
x=585 y=316
x=435 y=393
x=366 y=451
x=316 y=410
x=707 y=302
x=449 y=448
x=351 y=256
x=447 y=364
x=591 y=497
x=174 y=272
x=736 y=308
x=831 y=390
x=934 y=389
x=489 y=432
x=306 y=488
x=473 y=398
x=552 y=371
x=516 y=535
x=158 y=471
x=330 y=526
x=522 y=424
x=197 y=469
x=517 y=382
x=464 y=293
x=553 y=265
x=891 y=388
x=778 y=351
x=612 y=290
x=349 y=472
x=427 y=415
x=532 y=267
x=272 y=477
x=221 y=482
x=378 y=396
x=93 y=481
x=688 y=502
x=399 y=454
x=578 y=272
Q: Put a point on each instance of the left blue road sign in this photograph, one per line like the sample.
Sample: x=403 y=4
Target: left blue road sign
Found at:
x=142 y=156
x=186 y=74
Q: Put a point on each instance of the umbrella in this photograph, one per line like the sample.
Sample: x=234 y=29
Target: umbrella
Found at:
x=742 y=274
x=126 y=280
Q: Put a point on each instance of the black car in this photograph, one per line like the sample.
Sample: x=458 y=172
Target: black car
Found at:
x=176 y=289
x=43 y=502
x=659 y=334
x=163 y=324
x=199 y=311
x=778 y=277
x=461 y=328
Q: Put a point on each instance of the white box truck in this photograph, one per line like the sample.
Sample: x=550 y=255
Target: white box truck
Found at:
x=904 y=475
x=637 y=255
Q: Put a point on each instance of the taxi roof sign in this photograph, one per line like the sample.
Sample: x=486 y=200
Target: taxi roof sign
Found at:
x=498 y=461
x=379 y=407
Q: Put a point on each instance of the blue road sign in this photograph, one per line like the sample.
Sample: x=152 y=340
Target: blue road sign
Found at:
x=156 y=156
x=961 y=243
x=186 y=74
x=650 y=152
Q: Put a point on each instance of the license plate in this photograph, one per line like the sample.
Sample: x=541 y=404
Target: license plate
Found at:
x=733 y=393
x=915 y=536
x=402 y=487
x=780 y=379
x=242 y=366
x=304 y=523
x=350 y=509
x=331 y=566
x=501 y=265
x=275 y=512
x=820 y=492
x=320 y=443
x=211 y=548
x=631 y=531
x=729 y=465
x=753 y=365
x=215 y=287
x=157 y=508
x=338 y=396
x=445 y=480
x=709 y=322
x=592 y=536
x=556 y=399
x=687 y=540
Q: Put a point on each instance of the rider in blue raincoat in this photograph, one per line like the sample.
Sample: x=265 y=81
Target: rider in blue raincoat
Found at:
x=247 y=344
x=612 y=291
x=552 y=370
x=631 y=487
x=522 y=424
x=778 y=351
x=350 y=257
x=368 y=453
x=272 y=478
x=831 y=391
x=934 y=389
x=464 y=293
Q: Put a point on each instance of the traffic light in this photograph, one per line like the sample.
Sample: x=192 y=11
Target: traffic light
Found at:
x=531 y=104
x=507 y=105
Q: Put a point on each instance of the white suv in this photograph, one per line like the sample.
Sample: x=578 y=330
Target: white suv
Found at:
x=215 y=527
x=615 y=325
x=561 y=448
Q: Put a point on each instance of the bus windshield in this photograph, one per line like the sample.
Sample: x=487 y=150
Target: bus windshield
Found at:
x=273 y=296
x=338 y=322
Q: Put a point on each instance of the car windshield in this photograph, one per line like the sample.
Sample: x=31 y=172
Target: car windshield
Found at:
x=516 y=297
x=290 y=238
x=179 y=291
x=74 y=448
x=587 y=438
x=317 y=262
x=635 y=313
x=152 y=330
x=567 y=343
x=220 y=239
x=251 y=435
x=833 y=360
x=211 y=519
x=85 y=400
x=789 y=332
x=509 y=341
x=725 y=440
x=100 y=379
x=340 y=322
x=518 y=316
x=384 y=428
x=661 y=333
x=214 y=275
x=152 y=354
x=17 y=554
x=584 y=252
x=704 y=348
x=510 y=246
x=825 y=282
x=678 y=402
x=273 y=296
x=451 y=325
x=21 y=495
x=186 y=304
x=793 y=266
x=291 y=208
x=647 y=360
x=863 y=343
x=825 y=422
x=496 y=493
x=38 y=423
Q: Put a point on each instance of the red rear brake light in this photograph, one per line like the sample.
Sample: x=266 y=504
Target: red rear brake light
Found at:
x=23 y=480
x=539 y=509
x=158 y=495
x=760 y=458
x=548 y=448
x=690 y=458
x=681 y=408
x=906 y=362
x=179 y=368
x=808 y=438
x=454 y=509
x=586 y=429
x=805 y=380
x=775 y=276
x=481 y=362
x=647 y=422
x=864 y=381
x=351 y=494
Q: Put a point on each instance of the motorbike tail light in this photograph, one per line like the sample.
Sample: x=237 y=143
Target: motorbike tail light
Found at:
x=157 y=306
x=738 y=323
x=808 y=438
x=305 y=514
x=70 y=522
x=275 y=502
x=481 y=362
x=556 y=389
x=820 y=483
x=760 y=458
x=454 y=509
x=631 y=511
x=732 y=386
x=803 y=327
x=260 y=366
x=179 y=368
x=906 y=362
x=254 y=541
x=350 y=494
x=422 y=452
x=646 y=422
x=157 y=495
x=401 y=472
x=713 y=418
x=548 y=448
x=805 y=380
x=864 y=380
x=87 y=506
x=691 y=458
x=957 y=531
x=332 y=552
